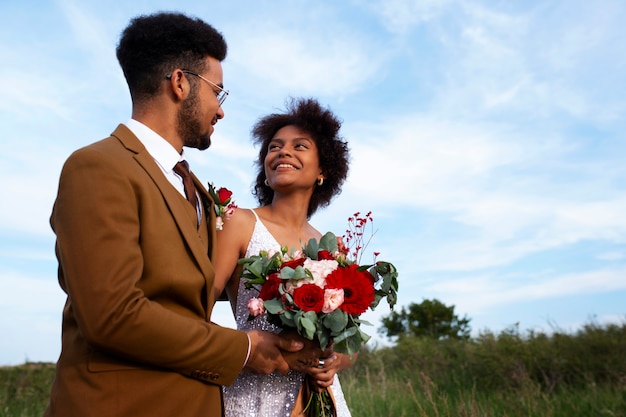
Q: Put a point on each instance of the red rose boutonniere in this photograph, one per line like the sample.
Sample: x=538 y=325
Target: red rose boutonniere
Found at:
x=223 y=204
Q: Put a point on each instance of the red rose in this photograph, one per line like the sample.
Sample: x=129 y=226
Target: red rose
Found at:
x=357 y=288
x=325 y=255
x=269 y=290
x=294 y=263
x=224 y=195
x=309 y=297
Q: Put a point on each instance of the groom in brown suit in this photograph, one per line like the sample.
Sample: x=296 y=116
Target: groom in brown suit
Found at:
x=134 y=254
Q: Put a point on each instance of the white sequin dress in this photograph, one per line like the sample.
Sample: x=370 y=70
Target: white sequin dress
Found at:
x=271 y=395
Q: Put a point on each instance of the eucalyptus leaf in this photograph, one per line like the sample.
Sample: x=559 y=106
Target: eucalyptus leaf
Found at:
x=306 y=324
x=323 y=336
x=311 y=249
x=349 y=331
x=336 y=321
x=286 y=273
x=273 y=306
x=329 y=243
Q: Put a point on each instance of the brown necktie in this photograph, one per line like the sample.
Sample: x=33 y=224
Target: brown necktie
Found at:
x=182 y=169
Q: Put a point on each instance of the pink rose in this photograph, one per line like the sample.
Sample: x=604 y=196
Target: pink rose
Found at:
x=333 y=298
x=256 y=307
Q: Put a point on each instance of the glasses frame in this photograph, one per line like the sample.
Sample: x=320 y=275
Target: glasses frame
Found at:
x=221 y=95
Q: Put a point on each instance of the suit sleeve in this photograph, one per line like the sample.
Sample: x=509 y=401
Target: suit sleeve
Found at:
x=134 y=290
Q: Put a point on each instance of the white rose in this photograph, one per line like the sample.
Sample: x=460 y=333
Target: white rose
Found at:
x=320 y=270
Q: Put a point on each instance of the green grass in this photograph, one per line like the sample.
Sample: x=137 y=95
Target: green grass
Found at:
x=504 y=375
x=557 y=375
x=24 y=389
x=381 y=395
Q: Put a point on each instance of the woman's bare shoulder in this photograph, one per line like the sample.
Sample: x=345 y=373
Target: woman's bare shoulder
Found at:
x=241 y=221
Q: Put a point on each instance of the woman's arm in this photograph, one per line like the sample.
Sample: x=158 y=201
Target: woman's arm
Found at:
x=231 y=244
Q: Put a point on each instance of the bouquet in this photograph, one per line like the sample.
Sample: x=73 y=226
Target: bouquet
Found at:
x=321 y=290
x=223 y=204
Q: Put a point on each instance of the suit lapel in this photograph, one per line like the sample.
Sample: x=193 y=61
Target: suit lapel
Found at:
x=209 y=213
x=208 y=222
x=176 y=204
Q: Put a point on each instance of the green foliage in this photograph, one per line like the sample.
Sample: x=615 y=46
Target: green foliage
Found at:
x=430 y=318
x=327 y=242
x=258 y=267
x=386 y=278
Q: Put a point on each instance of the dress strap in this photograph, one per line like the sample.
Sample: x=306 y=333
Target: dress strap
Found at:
x=255 y=215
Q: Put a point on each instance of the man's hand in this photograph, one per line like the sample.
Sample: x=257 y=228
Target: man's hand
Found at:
x=266 y=351
x=308 y=356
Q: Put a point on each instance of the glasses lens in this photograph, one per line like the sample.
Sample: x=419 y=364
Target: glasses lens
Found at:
x=221 y=97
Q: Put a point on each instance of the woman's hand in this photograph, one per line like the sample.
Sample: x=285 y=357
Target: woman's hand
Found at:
x=323 y=372
x=320 y=365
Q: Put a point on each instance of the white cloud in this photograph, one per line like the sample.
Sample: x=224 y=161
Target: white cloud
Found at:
x=327 y=60
x=402 y=16
x=484 y=292
x=612 y=256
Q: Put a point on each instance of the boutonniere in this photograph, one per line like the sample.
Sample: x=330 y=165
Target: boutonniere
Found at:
x=223 y=204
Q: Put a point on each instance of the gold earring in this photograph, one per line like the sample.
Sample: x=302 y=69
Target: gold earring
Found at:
x=320 y=181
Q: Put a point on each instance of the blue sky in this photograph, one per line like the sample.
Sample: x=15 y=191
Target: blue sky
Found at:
x=487 y=138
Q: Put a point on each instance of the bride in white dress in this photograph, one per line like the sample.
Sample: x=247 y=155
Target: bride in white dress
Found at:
x=302 y=164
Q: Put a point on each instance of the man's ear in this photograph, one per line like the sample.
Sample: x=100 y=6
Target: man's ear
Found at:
x=178 y=84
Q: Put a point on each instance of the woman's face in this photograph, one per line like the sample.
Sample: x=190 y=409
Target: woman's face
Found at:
x=292 y=159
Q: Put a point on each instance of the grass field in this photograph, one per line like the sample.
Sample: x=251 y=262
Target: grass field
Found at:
x=557 y=375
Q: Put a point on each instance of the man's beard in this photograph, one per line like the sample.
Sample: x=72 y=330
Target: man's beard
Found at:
x=188 y=124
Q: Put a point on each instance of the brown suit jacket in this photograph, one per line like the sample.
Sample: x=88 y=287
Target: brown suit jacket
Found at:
x=137 y=338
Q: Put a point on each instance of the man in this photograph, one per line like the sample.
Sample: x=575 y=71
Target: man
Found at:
x=134 y=254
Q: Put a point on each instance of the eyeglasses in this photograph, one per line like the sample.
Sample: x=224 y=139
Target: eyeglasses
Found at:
x=222 y=93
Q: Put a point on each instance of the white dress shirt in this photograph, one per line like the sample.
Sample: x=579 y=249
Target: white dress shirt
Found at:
x=163 y=153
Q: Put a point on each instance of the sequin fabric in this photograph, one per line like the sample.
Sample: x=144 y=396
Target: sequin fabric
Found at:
x=271 y=395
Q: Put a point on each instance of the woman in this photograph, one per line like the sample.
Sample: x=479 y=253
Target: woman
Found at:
x=301 y=166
